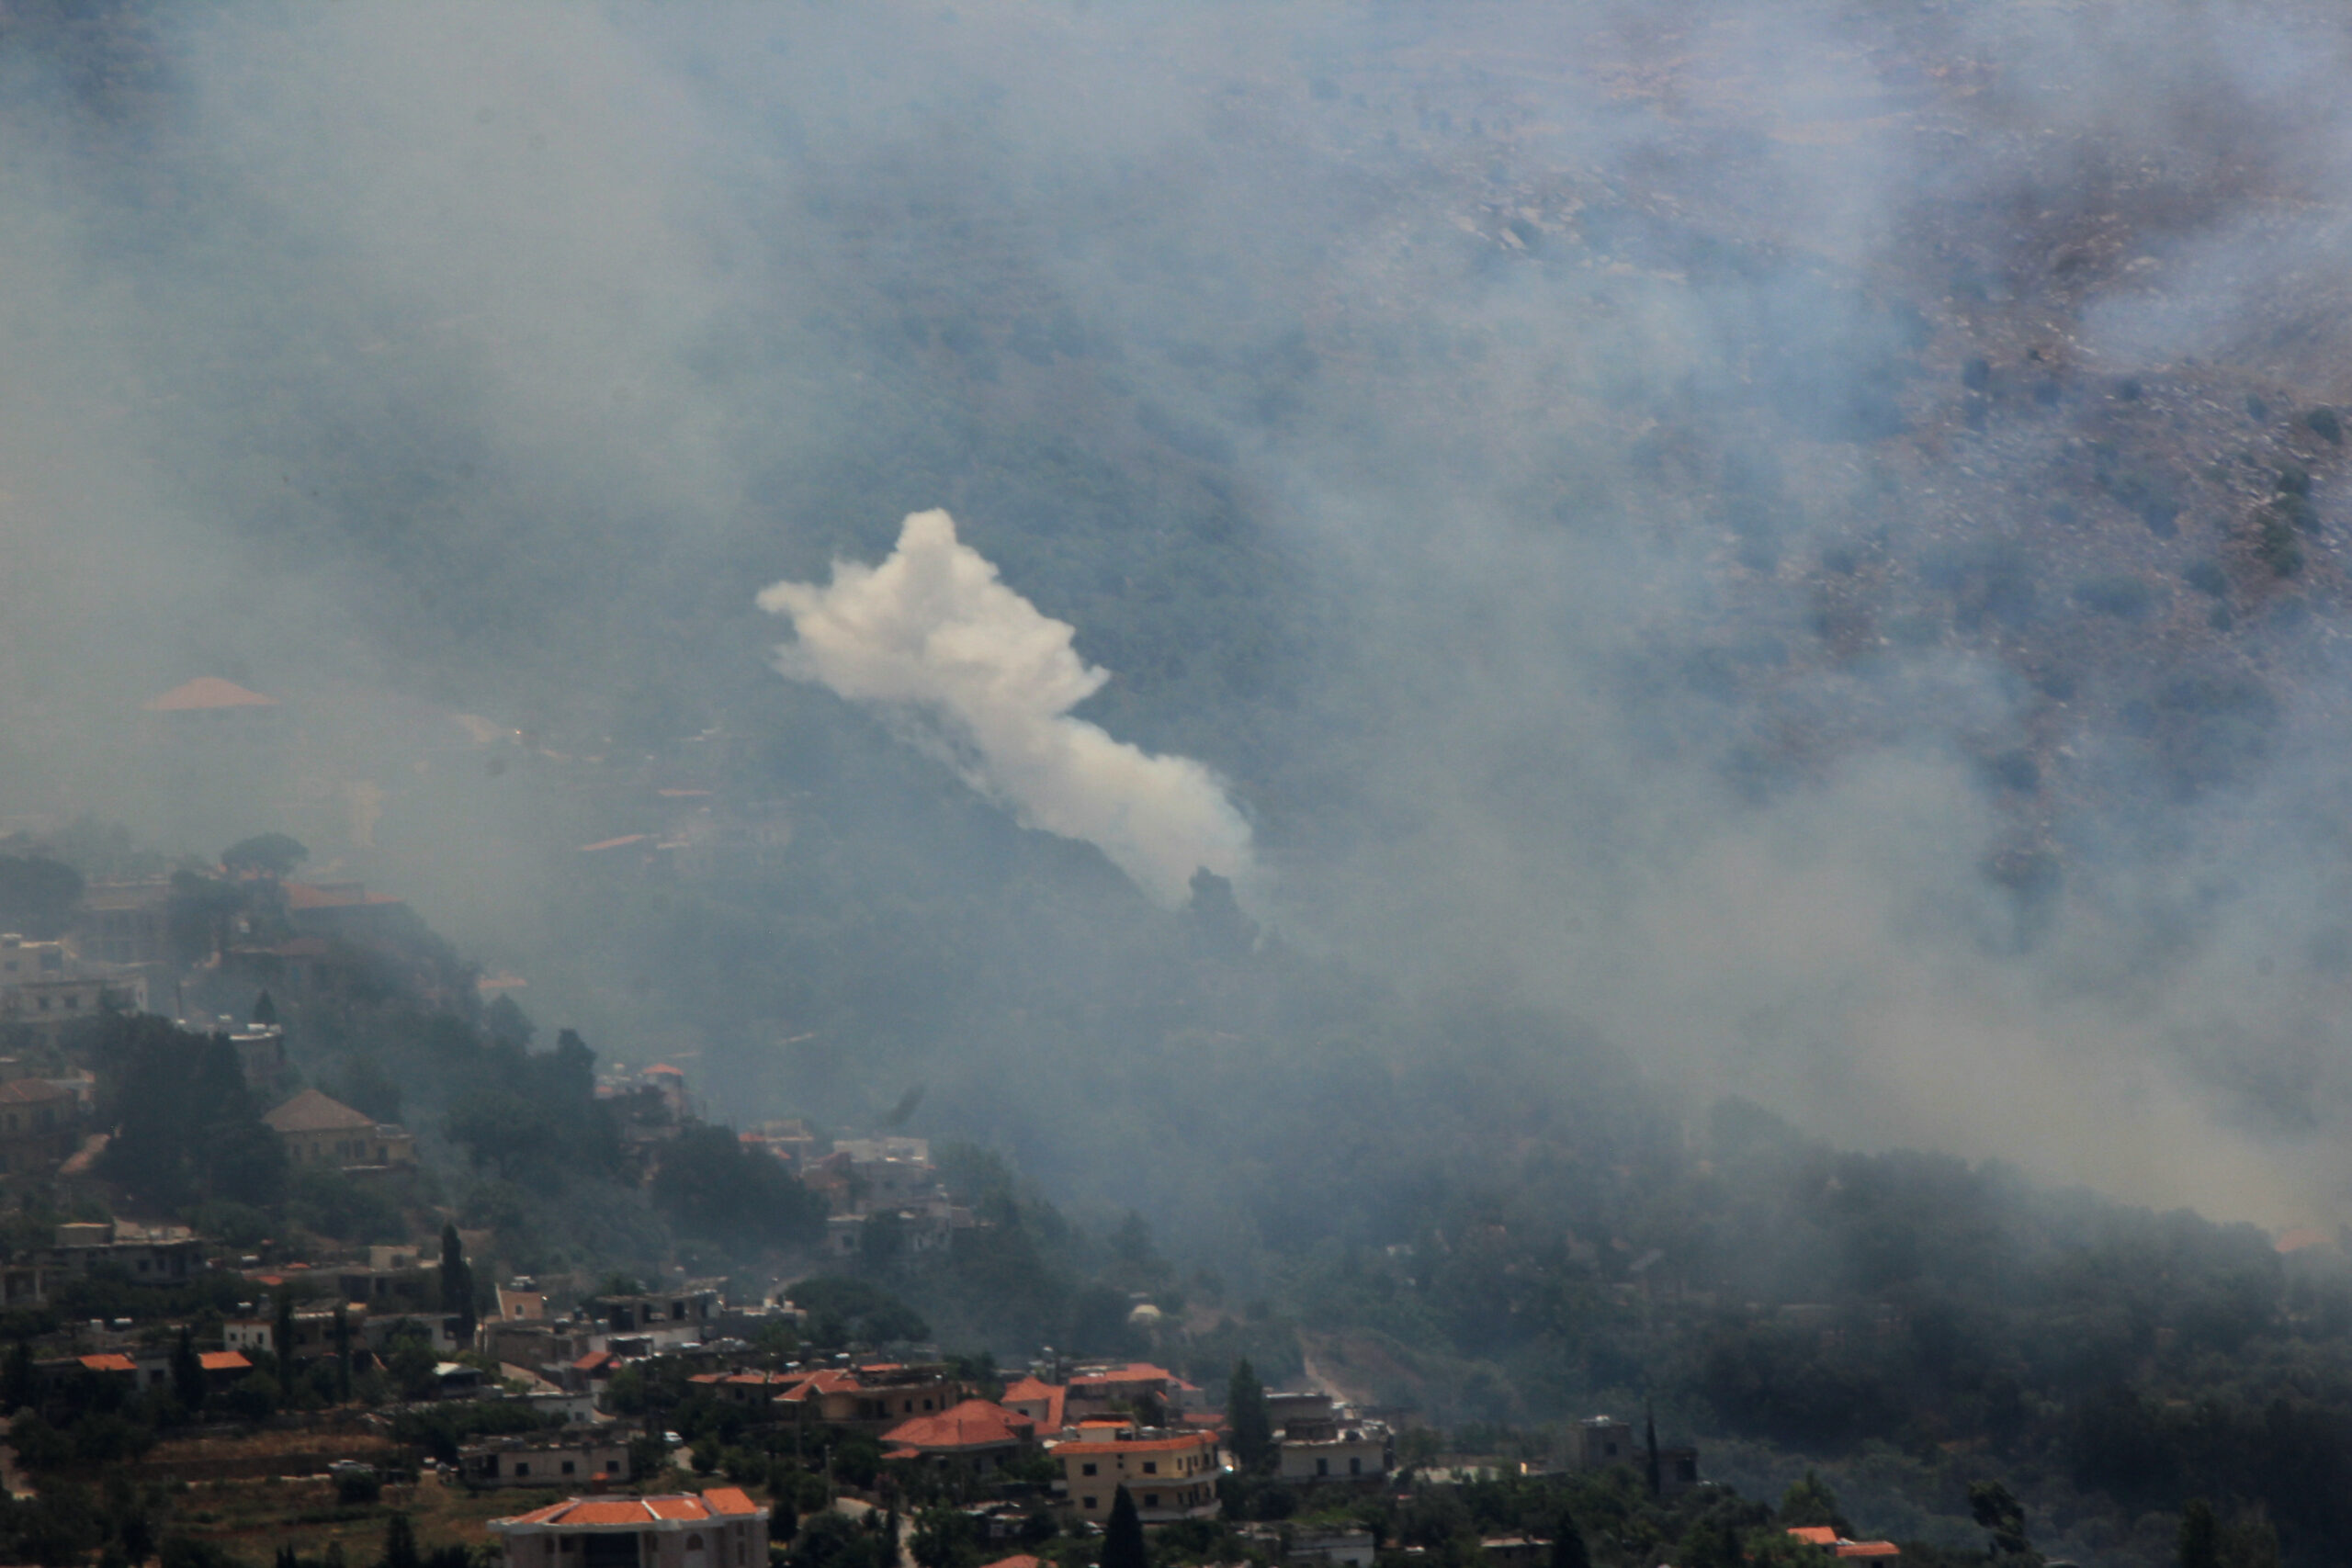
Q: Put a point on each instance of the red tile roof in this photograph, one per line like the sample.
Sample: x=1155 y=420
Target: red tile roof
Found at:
x=207 y=692
x=975 y=1424
x=592 y=1360
x=1869 y=1549
x=223 y=1361
x=719 y=1503
x=1814 y=1535
x=310 y=1111
x=1138 y=1445
x=1023 y=1560
x=110 y=1362
x=612 y=843
x=334 y=896
x=1036 y=1390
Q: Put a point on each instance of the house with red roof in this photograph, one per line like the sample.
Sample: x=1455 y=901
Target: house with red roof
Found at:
x=871 y=1399
x=1038 y=1400
x=1830 y=1542
x=975 y=1436
x=721 y=1527
x=1138 y=1386
x=1170 y=1475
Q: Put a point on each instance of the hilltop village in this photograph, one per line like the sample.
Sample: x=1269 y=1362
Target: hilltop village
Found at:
x=244 y=1317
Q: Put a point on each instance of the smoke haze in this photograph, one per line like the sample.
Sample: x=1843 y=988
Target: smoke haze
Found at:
x=1739 y=529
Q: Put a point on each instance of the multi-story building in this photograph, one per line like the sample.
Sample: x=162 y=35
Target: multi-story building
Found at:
x=1170 y=1475
x=40 y=1123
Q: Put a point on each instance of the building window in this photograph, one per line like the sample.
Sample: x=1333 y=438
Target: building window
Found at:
x=1355 y=1467
x=1152 y=1499
x=522 y=1469
x=1086 y=1470
x=1151 y=1467
x=1322 y=1467
x=1086 y=1502
x=567 y=1467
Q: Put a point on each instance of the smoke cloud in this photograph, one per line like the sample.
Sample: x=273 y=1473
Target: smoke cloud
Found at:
x=989 y=681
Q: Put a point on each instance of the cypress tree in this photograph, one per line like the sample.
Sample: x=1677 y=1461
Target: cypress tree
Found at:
x=284 y=1334
x=1245 y=1413
x=400 y=1545
x=1650 y=1439
x=342 y=1354
x=22 y=1387
x=1567 y=1544
x=188 y=1374
x=457 y=1285
x=1122 y=1535
x=2201 y=1543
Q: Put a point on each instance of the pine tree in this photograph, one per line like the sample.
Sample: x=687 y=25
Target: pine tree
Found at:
x=1245 y=1413
x=1122 y=1535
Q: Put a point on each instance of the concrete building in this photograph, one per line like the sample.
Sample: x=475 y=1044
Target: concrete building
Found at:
x=147 y=1256
x=1170 y=1475
x=720 y=1528
x=1602 y=1441
x=871 y=1399
x=1342 y=1448
x=572 y=1457
x=123 y=922
x=40 y=1125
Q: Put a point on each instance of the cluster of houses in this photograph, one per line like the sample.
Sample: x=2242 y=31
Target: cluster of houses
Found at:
x=1098 y=1427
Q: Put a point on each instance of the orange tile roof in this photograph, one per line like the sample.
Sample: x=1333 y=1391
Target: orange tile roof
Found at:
x=1033 y=1390
x=1869 y=1549
x=975 y=1424
x=717 y=1502
x=1023 y=1560
x=223 y=1361
x=110 y=1362
x=612 y=843
x=592 y=1360
x=1814 y=1535
x=310 y=1111
x=207 y=692
x=333 y=895
x=1137 y=1445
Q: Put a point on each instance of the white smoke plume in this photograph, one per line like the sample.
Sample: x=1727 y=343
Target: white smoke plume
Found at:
x=934 y=634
